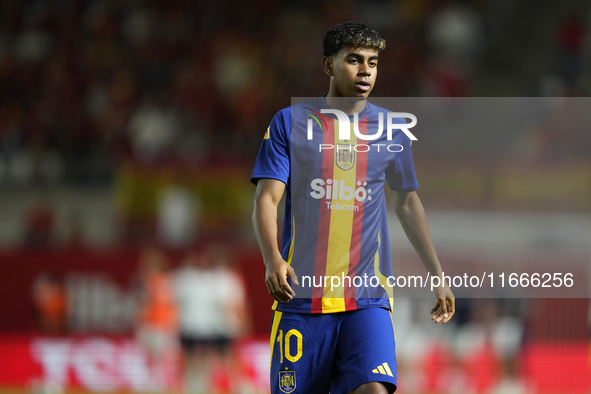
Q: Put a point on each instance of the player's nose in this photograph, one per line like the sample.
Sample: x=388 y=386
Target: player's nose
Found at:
x=364 y=69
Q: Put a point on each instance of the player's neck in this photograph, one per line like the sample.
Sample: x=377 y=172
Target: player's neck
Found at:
x=348 y=105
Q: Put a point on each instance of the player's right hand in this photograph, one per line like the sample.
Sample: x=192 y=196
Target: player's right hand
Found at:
x=276 y=280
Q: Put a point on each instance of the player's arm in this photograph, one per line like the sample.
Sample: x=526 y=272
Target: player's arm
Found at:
x=410 y=212
x=264 y=218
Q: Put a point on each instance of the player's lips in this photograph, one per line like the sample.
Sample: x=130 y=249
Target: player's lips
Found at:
x=363 y=85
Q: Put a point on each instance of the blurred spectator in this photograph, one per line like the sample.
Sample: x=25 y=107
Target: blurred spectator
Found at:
x=158 y=318
x=197 y=287
x=33 y=44
x=177 y=215
x=234 y=66
x=36 y=165
x=447 y=79
x=570 y=37
x=75 y=238
x=40 y=226
x=235 y=304
x=49 y=303
x=212 y=311
x=236 y=313
x=455 y=31
x=153 y=129
x=496 y=325
x=507 y=339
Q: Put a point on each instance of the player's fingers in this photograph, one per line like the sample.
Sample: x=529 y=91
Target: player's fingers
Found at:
x=435 y=308
x=272 y=288
x=269 y=287
x=441 y=310
x=443 y=306
x=293 y=276
x=450 y=310
x=286 y=288
x=444 y=315
x=438 y=317
x=276 y=289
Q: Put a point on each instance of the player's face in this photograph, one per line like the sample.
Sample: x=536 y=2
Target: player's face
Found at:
x=353 y=71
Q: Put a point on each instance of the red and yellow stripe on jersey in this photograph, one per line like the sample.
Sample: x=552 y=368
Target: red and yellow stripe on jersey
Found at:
x=339 y=231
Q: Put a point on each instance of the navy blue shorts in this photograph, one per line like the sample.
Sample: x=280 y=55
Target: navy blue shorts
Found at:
x=332 y=352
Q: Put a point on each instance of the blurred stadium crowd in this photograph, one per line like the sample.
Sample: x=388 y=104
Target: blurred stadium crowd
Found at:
x=87 y=85
x=154 y=98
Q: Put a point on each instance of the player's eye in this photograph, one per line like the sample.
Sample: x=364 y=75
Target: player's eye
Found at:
x=373 y=64
x=353 y=61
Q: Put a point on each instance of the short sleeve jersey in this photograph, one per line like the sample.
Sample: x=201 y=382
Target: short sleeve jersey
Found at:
x=335 y=232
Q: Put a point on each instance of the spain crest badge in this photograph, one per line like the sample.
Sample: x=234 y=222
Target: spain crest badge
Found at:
x=287 y=381
x=345 y=156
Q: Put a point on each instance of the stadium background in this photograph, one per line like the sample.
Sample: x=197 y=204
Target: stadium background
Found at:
x=129 y=124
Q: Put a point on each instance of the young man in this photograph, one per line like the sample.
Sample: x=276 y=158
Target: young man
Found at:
x=328 y=339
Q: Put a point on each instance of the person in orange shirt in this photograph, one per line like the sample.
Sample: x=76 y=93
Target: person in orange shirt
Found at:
x=157 y=323
x=49 y=303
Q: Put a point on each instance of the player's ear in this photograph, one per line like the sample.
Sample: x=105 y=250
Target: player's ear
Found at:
x=327 y=65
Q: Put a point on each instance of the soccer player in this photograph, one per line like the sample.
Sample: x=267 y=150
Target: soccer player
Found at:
x=337 y=339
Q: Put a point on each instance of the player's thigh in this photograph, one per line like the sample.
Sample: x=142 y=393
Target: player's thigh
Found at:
x=366 y=351
x=302 y=352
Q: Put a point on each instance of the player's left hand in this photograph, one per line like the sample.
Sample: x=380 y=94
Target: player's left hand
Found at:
x=445 y=306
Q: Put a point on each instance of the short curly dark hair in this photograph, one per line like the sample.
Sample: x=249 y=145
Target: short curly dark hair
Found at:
x=351 y=33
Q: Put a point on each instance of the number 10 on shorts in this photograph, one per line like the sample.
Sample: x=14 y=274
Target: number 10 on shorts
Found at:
x=288 y=350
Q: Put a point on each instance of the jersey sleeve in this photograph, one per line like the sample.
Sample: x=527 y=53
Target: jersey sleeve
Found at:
x=400 y=173
x=273 y=159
